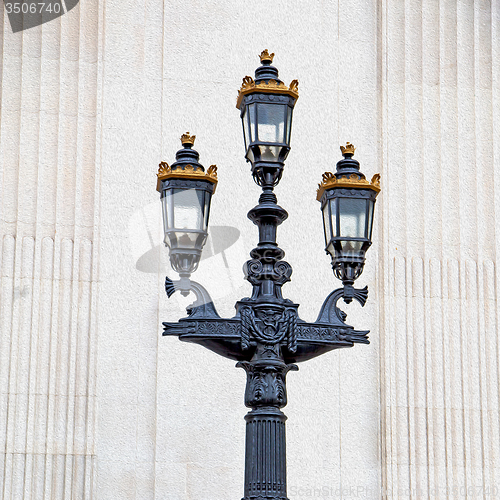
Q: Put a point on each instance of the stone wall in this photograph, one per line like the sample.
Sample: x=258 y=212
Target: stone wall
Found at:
x=94 y=403
x=49 y=226
x=439 y=360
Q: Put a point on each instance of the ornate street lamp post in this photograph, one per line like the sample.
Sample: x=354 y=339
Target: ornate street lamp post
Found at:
x=266 y=336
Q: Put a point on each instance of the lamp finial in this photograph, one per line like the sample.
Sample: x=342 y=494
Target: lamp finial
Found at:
x=265 y=56
x=348 y=149
x=187 y=139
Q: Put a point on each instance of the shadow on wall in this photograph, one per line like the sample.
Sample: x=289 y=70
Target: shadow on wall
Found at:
x=26 y=14
x=220 y=239
x=221 y=261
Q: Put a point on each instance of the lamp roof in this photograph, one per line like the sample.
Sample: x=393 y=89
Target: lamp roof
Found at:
x=347 y=175
x=266 y=81
x=186 y=165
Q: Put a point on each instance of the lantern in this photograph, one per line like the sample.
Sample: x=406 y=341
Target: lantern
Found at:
x=186 y=191
x=266 y=107
x=347 y=202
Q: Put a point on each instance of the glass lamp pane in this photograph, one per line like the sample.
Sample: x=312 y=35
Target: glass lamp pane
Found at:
x=269 y=153
x=351 y=247
x=327 y=223
x=370 y=219
x=167 y=210
x=244 y=121
x=208 y=199
x=250 y=155
x=333 y=216
x=251 y=122
x=352 y=217
x=189 y=240
x=271 y=122
x=330 y=249
x=288 y=124
x=188 y=206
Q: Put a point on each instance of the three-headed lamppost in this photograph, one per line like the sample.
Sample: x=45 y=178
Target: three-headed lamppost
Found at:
x=266 y=336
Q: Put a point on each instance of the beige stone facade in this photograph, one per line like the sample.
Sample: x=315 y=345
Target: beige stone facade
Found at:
x=94 y=403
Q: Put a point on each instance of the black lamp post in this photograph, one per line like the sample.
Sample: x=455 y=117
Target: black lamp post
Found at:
x=266 y=336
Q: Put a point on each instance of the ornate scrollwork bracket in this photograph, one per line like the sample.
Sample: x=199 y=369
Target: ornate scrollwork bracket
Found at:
x=256 y=272
x=202 y=307
x=331 y=314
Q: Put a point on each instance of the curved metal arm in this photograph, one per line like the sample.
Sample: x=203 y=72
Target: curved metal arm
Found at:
x=202 y=307
x=331 y=314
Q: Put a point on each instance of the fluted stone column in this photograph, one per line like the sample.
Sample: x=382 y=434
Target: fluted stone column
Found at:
x=49 y=234
x=440 y=271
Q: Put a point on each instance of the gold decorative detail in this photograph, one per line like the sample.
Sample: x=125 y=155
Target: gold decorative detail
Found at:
x=165 y=171
x=265 y=56
x=347 y=181
x=376 y=181
x=247 y=83
x=273 y=84
x=187 y=139
x=188 y=170
x=348 y=150
x=327 y=176
x=272 y=87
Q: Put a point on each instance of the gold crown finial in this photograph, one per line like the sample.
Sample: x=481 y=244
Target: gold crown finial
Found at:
x=265 y=56
x=348 y=149
x=187 y=139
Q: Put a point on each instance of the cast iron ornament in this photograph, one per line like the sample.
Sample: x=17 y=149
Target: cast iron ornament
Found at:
x=266 y=336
